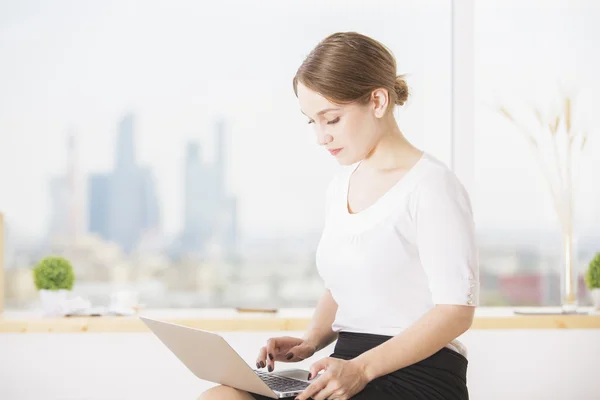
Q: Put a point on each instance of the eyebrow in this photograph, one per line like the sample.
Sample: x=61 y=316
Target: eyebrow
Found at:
x=326 y=110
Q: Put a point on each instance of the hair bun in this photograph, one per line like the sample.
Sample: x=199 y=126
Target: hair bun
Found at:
x=401 y=89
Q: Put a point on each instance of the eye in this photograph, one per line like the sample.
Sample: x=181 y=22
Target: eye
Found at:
x=311 y=122
x=333 y=121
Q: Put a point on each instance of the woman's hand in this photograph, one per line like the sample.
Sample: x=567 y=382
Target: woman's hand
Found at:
x=286 y=349
x=341 y=380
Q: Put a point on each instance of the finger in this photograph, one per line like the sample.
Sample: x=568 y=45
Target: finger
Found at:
x=324 y=393
x=261 y=361
x=314 y=388
x=320 y=365
x=298 y=353
x=272 y=348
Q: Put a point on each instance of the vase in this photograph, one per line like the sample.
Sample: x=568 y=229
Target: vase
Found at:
x=54 y=302
x=596 y=298
x=569 y=276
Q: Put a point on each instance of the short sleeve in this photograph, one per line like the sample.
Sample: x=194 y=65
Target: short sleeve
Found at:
x=445 y=236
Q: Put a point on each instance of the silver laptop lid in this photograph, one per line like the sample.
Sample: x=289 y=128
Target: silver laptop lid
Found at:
x=208 y=356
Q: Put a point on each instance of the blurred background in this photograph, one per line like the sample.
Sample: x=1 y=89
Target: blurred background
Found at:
x=160 y=147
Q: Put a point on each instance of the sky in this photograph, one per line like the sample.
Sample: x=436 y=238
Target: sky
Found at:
x=79 y=66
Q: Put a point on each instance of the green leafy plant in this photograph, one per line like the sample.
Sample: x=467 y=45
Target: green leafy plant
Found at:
x=592 y=277
x=54 y=273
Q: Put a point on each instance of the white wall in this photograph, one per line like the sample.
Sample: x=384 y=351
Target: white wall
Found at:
x=548 y=365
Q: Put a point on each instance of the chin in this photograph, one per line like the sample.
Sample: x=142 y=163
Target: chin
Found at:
x=348 y=160
x=345 y=161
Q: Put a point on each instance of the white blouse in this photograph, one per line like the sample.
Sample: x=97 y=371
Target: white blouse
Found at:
x=413 y=248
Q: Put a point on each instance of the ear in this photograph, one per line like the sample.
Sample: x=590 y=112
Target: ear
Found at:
x=380 y=100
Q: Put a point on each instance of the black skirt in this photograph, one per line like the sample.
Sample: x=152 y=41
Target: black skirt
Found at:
x=442 y=376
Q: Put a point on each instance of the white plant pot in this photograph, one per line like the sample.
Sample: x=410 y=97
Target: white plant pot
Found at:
x=54 y=302
x=596 y=298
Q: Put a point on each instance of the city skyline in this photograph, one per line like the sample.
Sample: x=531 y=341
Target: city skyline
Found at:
x=122 y=204
x=107 y=70
x=201 y=172
x=210 y=213
x=73 y=72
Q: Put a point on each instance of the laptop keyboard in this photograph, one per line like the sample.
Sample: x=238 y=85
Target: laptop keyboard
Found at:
x=282 y=383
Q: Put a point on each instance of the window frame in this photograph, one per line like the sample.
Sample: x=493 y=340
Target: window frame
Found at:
x=2 y=292
x=461 y=144
x=463 y=92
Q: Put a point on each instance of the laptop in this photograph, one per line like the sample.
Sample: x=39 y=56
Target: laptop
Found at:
x=208 y=356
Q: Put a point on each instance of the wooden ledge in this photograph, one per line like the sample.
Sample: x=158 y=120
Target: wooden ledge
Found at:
x=282 y=320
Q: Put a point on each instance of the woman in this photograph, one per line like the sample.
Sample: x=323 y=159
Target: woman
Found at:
x=397 y=254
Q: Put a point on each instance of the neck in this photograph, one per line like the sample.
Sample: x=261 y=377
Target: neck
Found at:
x=392 y=151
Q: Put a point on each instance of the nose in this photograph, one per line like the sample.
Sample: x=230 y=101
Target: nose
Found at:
x=323 y=138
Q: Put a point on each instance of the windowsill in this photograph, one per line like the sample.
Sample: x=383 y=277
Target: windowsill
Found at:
x=289 y=319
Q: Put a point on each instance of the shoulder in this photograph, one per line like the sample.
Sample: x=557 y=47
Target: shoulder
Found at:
x=437 y=183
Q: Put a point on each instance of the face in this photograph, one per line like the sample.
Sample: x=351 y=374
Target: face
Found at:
x=349 y=132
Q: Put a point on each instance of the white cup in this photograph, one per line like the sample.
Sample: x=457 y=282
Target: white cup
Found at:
x=124 y=299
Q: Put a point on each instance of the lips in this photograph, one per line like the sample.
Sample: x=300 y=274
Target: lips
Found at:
x=335 y=151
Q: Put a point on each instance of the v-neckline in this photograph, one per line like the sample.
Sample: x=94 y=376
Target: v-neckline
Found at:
x=399 y=183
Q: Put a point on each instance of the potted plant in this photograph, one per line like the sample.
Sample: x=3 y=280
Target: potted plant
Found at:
x=54 y=278
x=592 y=279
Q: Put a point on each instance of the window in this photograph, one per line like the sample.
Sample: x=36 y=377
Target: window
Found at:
x=532 y=54
x=162 y=150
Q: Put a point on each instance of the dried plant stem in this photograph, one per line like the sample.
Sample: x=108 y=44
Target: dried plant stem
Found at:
x=562 y=186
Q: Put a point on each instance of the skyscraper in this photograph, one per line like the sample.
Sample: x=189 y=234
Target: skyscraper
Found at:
x=99 y=199
x=150 y=206
x=197 y=201
x=123 y=204
x=65 y=215
x=227 y=219
x=221 y=158
x=59 y=206
x=125 y=152
x=210 y=214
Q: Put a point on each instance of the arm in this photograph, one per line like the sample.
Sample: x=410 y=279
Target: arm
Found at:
x=344 y=378
x=447 y=249
x=425 y=337
x=445 y=240
x=292 y=349
x=319 y=333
